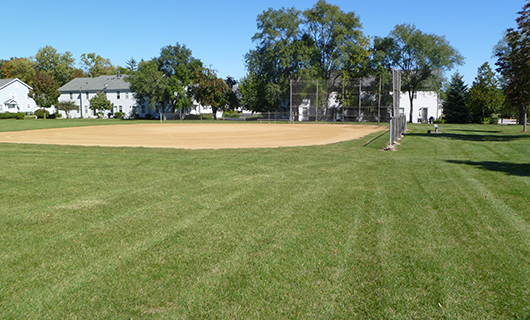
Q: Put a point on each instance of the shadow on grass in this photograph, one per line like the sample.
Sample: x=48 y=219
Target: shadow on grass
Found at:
x=494 y=136
x=484 y=131
x=514 y=169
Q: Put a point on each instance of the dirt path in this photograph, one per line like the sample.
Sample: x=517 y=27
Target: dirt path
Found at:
x=195 y=136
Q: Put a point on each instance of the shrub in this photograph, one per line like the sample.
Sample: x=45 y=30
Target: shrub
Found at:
x=119 y=115
x=8 y=115
x=54 y=116
x=20 y=115
x=40 y=113
x=149 y=117
x=231 y=114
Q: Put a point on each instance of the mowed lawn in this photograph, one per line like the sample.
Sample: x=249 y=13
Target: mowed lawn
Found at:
x=439 y=229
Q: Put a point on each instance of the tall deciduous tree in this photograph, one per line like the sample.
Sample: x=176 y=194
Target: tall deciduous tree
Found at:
x=336 y=36
x=95 y=65
x=316 y=43
x=418 y=55
x=514 y=65
x=59 y=65
x=250 y=93
x=485 y=95
x=278 y=55
x=44 y=91
x=148 y=84
x=179 y=68
x=209 y=90
x=455 y=108
x=21 y=68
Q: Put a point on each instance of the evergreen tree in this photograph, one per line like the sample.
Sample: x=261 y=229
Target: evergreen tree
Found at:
x=512 y=63
x=485 y=96
x=455 y=109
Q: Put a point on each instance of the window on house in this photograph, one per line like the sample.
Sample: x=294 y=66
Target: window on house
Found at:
x=126 y=95
x=71 y=96
x=121 y=109
x=117 y=95
x=13 y=95
x=143 y=109
x=87 y=95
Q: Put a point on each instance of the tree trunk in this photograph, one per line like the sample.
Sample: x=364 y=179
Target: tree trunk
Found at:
x=525 y=120
x=411 y=98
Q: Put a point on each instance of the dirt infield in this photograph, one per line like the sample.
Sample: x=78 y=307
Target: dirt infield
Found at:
x=195 y=136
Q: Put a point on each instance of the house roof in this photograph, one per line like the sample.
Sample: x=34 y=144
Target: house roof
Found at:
x=110 y=83
x=6 y=82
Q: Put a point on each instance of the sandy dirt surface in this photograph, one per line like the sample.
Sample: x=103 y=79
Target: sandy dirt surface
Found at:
x=195 y=136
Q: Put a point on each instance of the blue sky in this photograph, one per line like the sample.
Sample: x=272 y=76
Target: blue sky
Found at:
x=219 y=32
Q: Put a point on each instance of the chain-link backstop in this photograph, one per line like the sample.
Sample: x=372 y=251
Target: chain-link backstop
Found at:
x=369 y=99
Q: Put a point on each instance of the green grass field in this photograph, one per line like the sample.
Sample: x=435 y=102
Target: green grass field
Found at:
x=437 y=230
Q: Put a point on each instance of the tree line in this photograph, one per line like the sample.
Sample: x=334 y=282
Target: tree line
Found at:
x=504 y=94
x=326 y=43
x=322 y=42
x=169 y=81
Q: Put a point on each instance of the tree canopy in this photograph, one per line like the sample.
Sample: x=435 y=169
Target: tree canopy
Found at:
x=513 y=64
x=21 y=68
x=485 y=95
x=209 y=90
x=100 y=102
x=44 y=90
x=418 y=55
x=148 y=83
x=317 y=42
x=179 y=68
x=59 y=65
x=95 y=65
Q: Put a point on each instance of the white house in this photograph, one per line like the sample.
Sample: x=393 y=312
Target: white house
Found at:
x=117 y=90
x=14 y=97
x=426 y=104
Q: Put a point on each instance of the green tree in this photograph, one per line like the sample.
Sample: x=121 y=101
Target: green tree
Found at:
x=44 y=91
x=66 y=106
x=250 y=93
x=179 y=68
x=337 y=39
x=148 y=83
x=512 y=63
x=95 y=65
x=485 y=95
x=209 y=90
x=131 y=65
x=100 y=102
x=418 y=56
x=59 y=65
x=318 y=43
x=232 y=97
x=455 y=109
x=21 y=68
